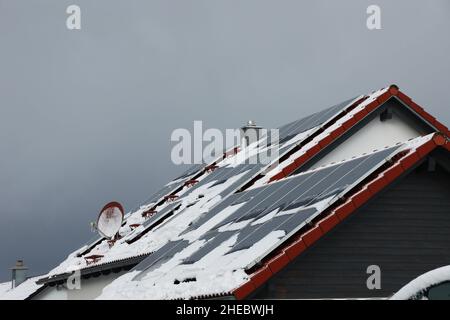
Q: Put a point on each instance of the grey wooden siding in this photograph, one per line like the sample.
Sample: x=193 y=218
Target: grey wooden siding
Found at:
x=405 y=231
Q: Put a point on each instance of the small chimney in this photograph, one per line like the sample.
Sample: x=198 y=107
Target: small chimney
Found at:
x=250 y=133
x=19 y=273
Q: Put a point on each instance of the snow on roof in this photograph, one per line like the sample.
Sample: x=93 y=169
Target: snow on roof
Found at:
x=22 y=291
x=217 y=253
x=422 y=282
x=213 y=188
x=4 y=287
x=211 y=233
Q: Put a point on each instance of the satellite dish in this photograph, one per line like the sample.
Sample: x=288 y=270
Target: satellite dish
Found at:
x=110 y=220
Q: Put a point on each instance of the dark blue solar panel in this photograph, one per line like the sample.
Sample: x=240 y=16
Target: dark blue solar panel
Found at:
x=212 y=244
x=164 y=253
x=254 y=233
x=289 y=130
x=191 y=170
x=229 y=198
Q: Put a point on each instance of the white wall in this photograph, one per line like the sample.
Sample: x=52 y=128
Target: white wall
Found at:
x=375 y=135
x=89 y=289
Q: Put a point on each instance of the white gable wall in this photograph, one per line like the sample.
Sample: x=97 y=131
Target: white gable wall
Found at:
x=374 y=135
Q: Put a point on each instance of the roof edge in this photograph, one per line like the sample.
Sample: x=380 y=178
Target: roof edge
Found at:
x=392 y=91
x=282 y=256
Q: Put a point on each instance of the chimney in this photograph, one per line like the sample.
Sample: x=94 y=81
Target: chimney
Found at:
x=19 y=273
x=250 y=133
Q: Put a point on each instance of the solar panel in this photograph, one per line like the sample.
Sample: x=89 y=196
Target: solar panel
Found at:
x=172 y=186
x=212 y=244
x=230 y=200
x=164 y=253
x=252 y=170
x=160 y=193
x=217 y=174
x=290 y=130
x=254 y=233
x=208 y=215
x=273 y=194
x=250 y=235
x=310 y=188
x=153 y=220
x=293 y=198
x=334 y=110
x=337 y=177
x=190 y=171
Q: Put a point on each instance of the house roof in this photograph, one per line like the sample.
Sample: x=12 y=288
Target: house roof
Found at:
x=23 y=291
x=240 y=223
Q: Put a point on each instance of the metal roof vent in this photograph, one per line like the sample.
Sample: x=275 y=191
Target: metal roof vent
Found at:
x=19 y=273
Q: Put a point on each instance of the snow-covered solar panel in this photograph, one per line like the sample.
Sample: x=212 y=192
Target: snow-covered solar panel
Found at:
x=167 y=189
x=190 y=171
x=251 y=234
x=164 y=253
x=292 y=199
x=251 y=171
x=210 y=214
x=155 y=219
x=210 y=245
x=229 y=198
x=160 y=193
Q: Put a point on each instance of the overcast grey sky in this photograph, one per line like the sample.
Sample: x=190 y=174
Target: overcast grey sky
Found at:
x=86 y=116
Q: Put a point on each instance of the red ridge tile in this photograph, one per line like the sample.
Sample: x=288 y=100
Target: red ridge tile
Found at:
x=361 y=197
x=278 y=176
x=295 y=249
x=301 y=160
x=244 y=290
x=372 y=106
x=349 y=123
x=287 y=170
x=360 y=115
x=261 y=276
x=439 y=140
x=326 y=141
x=376 y=185
x=409 y=160
x=404 y=97
x=312 y=236
x=384 y=97
x=393 y=172
x=344 y=210
x=313 y=150
x=328 y=223
x=336 y=133
x=278 y=262
x=424 y=149
x=440 y=127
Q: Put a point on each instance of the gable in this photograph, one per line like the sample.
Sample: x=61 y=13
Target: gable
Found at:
x=404 y=231
x=390 y=124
